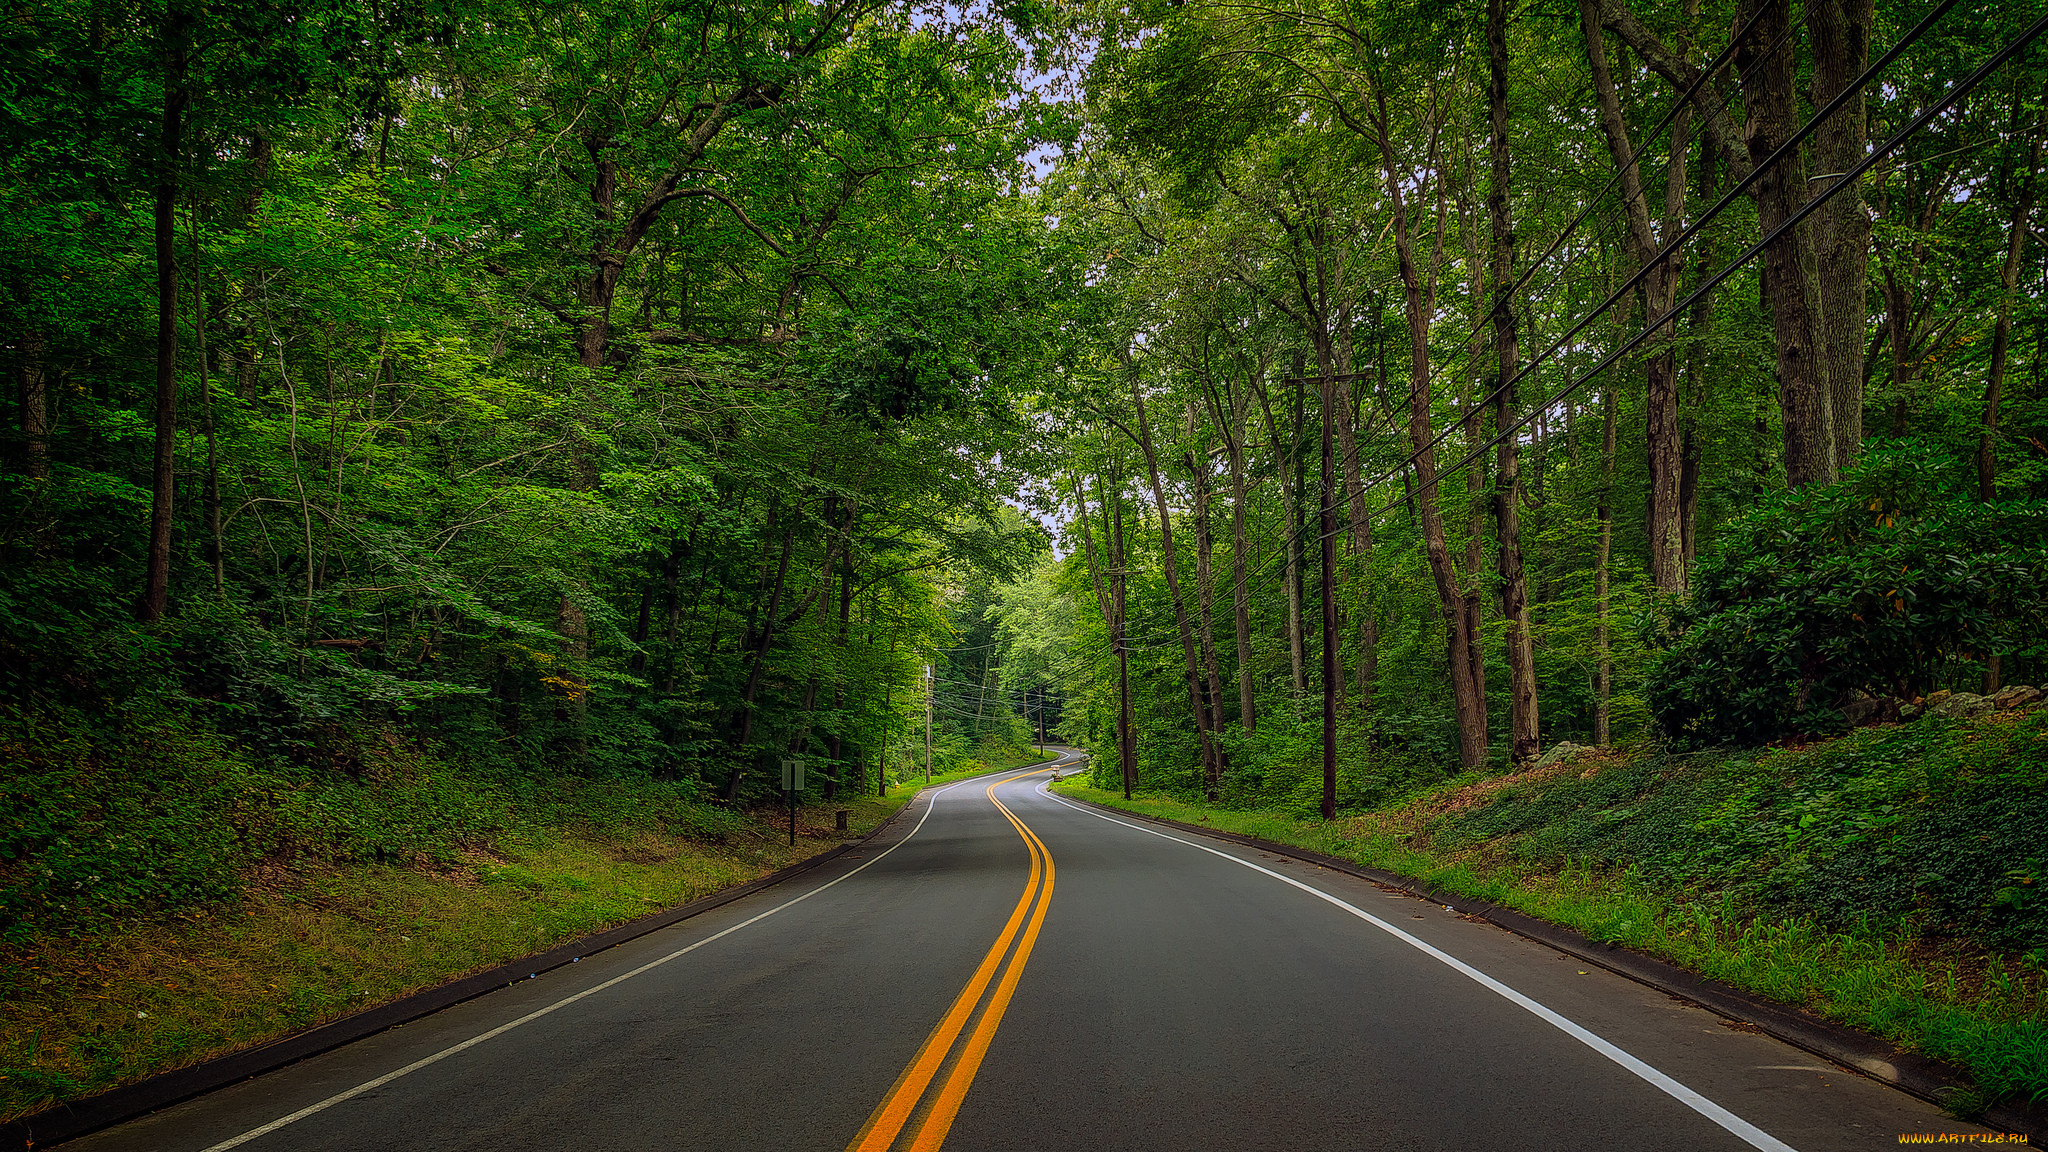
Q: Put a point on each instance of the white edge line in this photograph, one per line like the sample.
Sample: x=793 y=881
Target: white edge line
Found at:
x=1743 y=1129
x=500 y=1030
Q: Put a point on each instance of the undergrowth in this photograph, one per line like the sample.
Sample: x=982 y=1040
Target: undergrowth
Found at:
x=1890 y=880
x=301 y=944
x=906 y=783
x=170 y=895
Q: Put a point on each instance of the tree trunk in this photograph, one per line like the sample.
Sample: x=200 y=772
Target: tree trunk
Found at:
x=1524 y=740
x=2001 y=346
x=1366 y=672
x=1297 y=655
x=1420 y=306
x=1205 y=593
x=1839 y=31
x=621 y=234
x=1699 y=326
x=1790 y=276
x=216 y=559
x=1473 y=421
x=1229 y=418
x=1240 y=604
x=2001 y=333
x=156 y=582
x=1211 y=767
x=1665 y=526
x=836 y=745
x=1898 y=314
x=1336 y=361
x=1472 y=601
x=1112 y=608
x=1127 y=721
x=756 y=663
x=35 y=440
x=1332 y=674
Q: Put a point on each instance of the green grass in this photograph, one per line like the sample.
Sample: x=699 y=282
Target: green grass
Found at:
x=1003 y=761
x=171 y=898
x=82 y=1012
x=1499 y=840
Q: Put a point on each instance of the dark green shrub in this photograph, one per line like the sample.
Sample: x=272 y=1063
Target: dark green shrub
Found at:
x=1882 y=583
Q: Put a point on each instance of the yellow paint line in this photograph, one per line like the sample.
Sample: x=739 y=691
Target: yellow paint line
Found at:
x=896 y=1107
x=954 y=1091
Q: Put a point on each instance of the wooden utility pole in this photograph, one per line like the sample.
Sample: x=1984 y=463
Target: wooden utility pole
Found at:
x=1331 y=677
x=930 y=686
x=1041 y=720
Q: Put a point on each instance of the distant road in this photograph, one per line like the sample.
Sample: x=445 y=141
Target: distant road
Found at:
x=1005 y=970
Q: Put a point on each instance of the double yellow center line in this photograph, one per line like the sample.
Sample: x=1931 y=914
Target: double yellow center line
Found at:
x=908 y=1111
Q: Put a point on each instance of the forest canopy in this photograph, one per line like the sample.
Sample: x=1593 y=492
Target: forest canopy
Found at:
x=658 y=389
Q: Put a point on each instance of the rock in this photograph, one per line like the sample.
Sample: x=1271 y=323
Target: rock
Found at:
x=1862 y=709
x=1934 y=698
x=1559 y=752
x=2016 y=696
x=1959 y=704
x=1909 y=711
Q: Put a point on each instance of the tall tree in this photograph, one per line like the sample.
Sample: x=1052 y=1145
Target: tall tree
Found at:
x=1524 y=734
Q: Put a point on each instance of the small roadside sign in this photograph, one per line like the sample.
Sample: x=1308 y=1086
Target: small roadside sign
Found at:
x=792 y=783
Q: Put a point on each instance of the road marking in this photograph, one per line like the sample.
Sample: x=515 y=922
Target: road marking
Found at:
x=1742 y=1129
x=500 y=1030
x=950 y=1097
x=901 y=1103
x=889 y=1116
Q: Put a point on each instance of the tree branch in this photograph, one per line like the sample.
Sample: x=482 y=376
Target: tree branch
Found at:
x=710 y=194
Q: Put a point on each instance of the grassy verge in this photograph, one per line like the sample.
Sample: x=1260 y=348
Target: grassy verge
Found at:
x=910 y=785
x=1555 y=843
x=82 y=1012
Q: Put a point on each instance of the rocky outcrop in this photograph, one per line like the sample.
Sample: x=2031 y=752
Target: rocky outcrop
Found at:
x=1863 y=709
x=1561 y=751
x=2017 y=696
x=1955 y=705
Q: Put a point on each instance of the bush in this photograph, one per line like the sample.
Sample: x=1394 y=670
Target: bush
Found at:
x=1932 y=828
x=1882 y=583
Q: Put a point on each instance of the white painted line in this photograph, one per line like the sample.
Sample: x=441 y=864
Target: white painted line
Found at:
x=500 y=1030
x=1749 y=1133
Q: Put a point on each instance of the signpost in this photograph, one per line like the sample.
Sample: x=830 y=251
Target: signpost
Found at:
x=792 y=783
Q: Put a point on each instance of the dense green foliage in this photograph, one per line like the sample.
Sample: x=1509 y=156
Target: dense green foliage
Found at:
x=586 y=396
x=1290 y=212
x=424 y=415
x=1890 y=583
x=97 y=832
x=1932 y=827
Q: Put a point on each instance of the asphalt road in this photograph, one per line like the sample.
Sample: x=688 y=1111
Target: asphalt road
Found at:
x=1004 y=970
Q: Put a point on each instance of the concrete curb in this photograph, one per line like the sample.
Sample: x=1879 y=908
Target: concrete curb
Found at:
x=1860 y=1052
x=66 y=1121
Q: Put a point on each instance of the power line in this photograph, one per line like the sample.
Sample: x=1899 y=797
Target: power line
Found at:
x=1842 y=181
x=1720 y=60
x=1706 y=73
x=1757 y=172
x=1956 y=93
x=1473 y=338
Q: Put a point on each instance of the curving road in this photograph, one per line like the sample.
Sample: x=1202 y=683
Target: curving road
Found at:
x=1002 y=969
